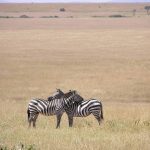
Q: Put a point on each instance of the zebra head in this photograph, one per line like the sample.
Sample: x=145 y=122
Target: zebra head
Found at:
x=57 y=95
x=77 y=98
x=71 y=97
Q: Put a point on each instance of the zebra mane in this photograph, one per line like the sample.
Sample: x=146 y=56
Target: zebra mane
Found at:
x=77 y=98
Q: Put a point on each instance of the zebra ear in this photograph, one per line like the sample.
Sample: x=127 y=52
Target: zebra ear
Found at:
x=57 y=90
x=75 y=92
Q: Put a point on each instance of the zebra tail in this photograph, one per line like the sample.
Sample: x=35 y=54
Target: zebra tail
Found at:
x=102 y=112
x=28 y=112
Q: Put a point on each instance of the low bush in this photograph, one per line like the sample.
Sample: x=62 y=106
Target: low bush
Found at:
x=50 y=17
x=6 y=17
x=62 y=9
x=24 y=16
x=19 y=146
x=116 y=16
x=98 y=16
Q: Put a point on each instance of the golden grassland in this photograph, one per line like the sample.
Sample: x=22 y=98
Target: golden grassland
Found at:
x=112 y=64
x=108 y=59
x=126 y=126
x=106 y=64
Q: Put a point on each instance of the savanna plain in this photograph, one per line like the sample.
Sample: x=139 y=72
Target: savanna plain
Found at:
x=84 y=48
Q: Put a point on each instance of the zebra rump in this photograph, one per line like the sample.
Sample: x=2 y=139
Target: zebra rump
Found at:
x=84 y=109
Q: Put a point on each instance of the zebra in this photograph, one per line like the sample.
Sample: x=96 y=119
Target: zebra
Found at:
x=49 y=108
x=85 y=108
x=58 y=94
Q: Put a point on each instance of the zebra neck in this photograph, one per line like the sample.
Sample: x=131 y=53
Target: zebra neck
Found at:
x=68 y=100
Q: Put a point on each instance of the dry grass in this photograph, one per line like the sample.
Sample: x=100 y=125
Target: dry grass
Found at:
x=126 y=126
x=112 y=64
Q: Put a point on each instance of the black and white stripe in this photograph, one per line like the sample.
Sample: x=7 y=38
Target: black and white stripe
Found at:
x=48 y=108
x=85 y=108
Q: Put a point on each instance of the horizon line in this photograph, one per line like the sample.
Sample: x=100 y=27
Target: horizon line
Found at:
x=69 y=2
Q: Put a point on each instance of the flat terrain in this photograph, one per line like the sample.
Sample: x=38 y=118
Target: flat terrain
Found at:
x=101 y=57
x=76 y=16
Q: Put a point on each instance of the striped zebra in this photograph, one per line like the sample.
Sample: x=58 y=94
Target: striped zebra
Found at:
x=85 y=108
x=49 y=108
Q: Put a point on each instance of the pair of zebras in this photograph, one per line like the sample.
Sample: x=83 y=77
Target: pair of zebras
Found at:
x=71 y=103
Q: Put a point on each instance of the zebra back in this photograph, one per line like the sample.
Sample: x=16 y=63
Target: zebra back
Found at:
x=44 y=107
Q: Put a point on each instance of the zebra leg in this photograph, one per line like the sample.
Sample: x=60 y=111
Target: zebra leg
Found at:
x=58 y=120
x=29 y=118
x=34 y=120
x=98 y=119
x=29 y=123
x=70 y=119
x=97 y=116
